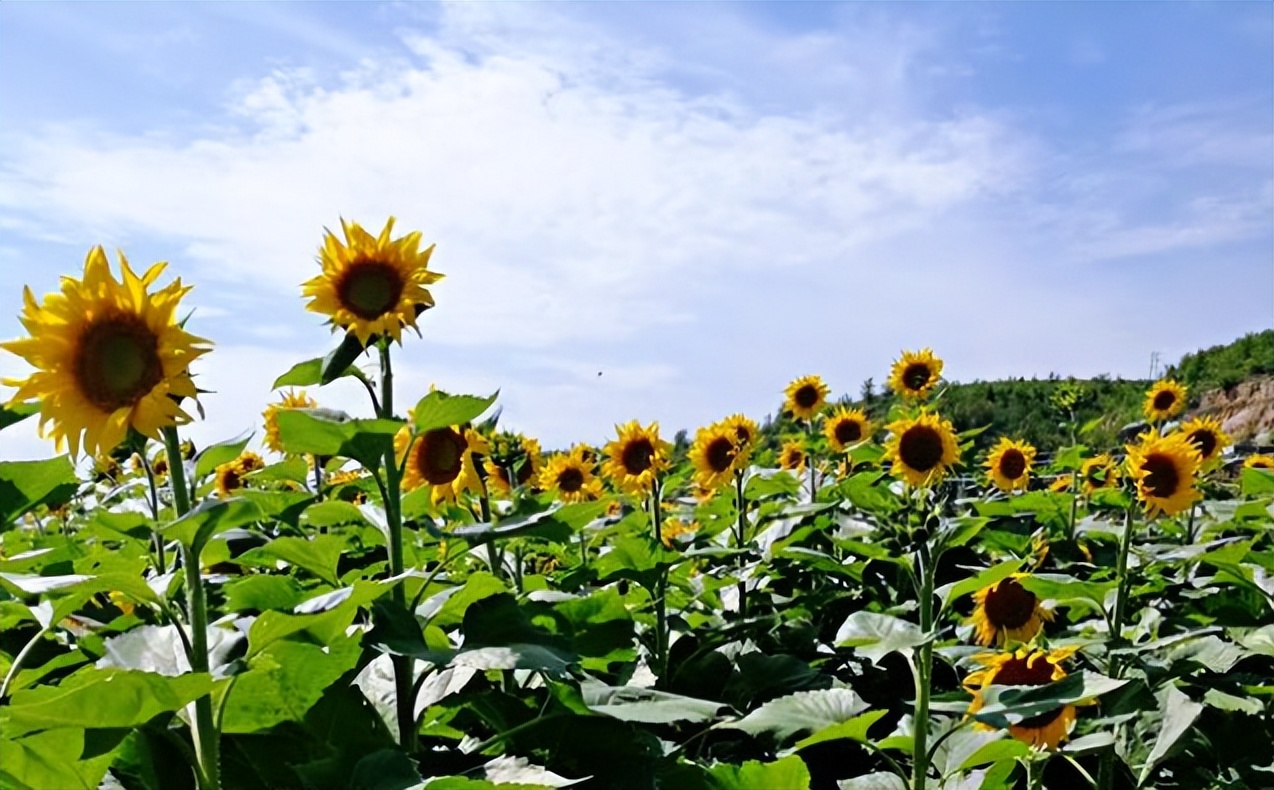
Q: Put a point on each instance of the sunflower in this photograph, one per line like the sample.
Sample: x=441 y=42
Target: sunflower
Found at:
x=523 y=455
x=1009 y=464
x=1164 y=468
x=344 y=477
x=1025 y=667
x=372 y=285
x=715 y=455
x=570 y=476
x=915 y=374
x=441 y=458
x=922 y=450
x=1205 y=433
x=229 y=477
x=847 y=427
x=792 y=456
x=290 y=400
x=1007 y=610
x=1164 y=400
x=675 y=528
x=1060 y=485
x=1099 y=472
x=106 y=467
x=635 y=457
x=109 y=356
x=805 y=397
x=1259 y=462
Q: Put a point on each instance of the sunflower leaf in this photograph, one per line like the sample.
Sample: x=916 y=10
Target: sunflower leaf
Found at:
x=1004 y=706
x=440 y=410
x=339 y=359
x=218 y=454
x=26 y=484
x=950 y=592
x=17 y=412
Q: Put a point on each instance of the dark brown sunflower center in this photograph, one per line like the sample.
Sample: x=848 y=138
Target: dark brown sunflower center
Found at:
x=1034 y=670
x=1205 y=440
x=369 y=289
x=1164 y=400
x=1097 y=476
x=793 y=458
x=806 y=397
x=743 y=435
x=1162 y=478
x=570 y=480
x=117 y=362
x=720 y=454
x=230 y=480
x=1012 y=463
x=920 y=448
x=1261 y=463
x=1009 y=605
x=848 y=431
x=637 y=456
x=916 y=376
x=439 y=455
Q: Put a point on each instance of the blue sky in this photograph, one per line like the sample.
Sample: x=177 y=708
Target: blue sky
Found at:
x=699 y=201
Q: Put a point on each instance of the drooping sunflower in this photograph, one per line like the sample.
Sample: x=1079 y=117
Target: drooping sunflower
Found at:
x=372 y=285
x=1205 y=433
x=745 y=431
x=289 y=400
x=1164 y=468
x=1009 y=464
x=109 y=356
x=922 y=450
x=915 y=374
x=805 y=397
x=1060 y=484
x=1164 y=400
x=1007 y=610
x=1099 y=472
x=635 y=457
x=847 y=427
x=249 y=461
x=792 y=456
x=1025 y=667
x=523 y=454
x=1259 y=462
x=570 y=476
x=715 y=455
x=441 y=458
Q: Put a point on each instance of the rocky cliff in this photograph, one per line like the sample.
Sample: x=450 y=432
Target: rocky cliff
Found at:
x=1246 y=410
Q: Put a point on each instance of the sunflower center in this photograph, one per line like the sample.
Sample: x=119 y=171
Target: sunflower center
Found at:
x=369 y=289
x=1162 y=478
x=920 y=448
x=117 y=362
x=230 y=480
x=916 y=376
x=1098 y=476
x=743 y=435
x=1164 y=400
x=570 y=480
x=638 y=456
x=848 y=431
x=1034 y=670
x=1261 y=463
x=806 y=397
x=1012 y=464
x=1205 y=440
x=439 y=457
x=1009 y=605
x=720 y=454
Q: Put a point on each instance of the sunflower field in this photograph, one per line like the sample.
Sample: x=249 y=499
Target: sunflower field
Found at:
x=414 y=596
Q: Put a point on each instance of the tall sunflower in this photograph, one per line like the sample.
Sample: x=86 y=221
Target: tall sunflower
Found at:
x=1025 y=667
x=915 y=374
x=1164 y=400
x=289 y=400
x=1098 y=472
x=745 y=432
x=792 y=456
x=522 y=453
x=1007 y=610
x=570 y=476
x=1164 y=468
x=443 y=459
x=805 y=397
x=923 y=449
x=1009 y=464
x=1205 y=433
x=635 y=457
x=1259 y=462
x=372 y=285
x=847 y=427
x=715 y=455
x=109 y=356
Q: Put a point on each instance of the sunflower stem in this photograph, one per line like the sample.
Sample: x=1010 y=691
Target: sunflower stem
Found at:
x=924 y=671
x=205 y=733
x=740 y=538
x=403 y=665
x=1115 y=664
x=661 y=588
x=160 y=561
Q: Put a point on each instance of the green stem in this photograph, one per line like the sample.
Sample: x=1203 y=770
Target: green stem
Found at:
x=484 y=501
x=661 y=588
x=160 y=561
x=20 y=659
x=924 y=671
x=403 y=665
x=1115 y=664
x=1190 y=528
x=206 y=737
x=740 y=539
x=809 y=459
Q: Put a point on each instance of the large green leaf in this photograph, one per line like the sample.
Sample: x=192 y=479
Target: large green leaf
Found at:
x=1006 y=705
x=217 y=454
x=804 y=711
x=209 y=518
x=318 y=554
x=101 y=698
x=788 y=773
x=854 y=729
x=440 y=410
x=951 y=592
x=1177 y=713
x=284 y=681
x=48 y=760
x=875 y=635
x=26 y=484
x=647 y=705
x=17 y=412
x=327 y=433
